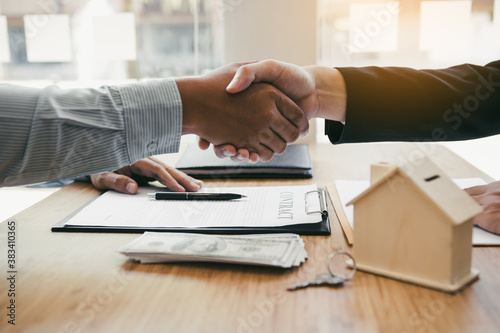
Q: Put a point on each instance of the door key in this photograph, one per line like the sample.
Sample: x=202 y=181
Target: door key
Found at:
x=320 y=280
x=330 y=278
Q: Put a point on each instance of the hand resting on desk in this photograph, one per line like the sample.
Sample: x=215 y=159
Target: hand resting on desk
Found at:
x=127 y=179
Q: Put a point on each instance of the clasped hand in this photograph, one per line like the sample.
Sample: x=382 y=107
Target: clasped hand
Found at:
x=260 y=118
x=319 y=92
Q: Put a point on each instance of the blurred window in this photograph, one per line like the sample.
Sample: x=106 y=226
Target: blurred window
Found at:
x=412 y=33
x=419 y=34
x=81 y=43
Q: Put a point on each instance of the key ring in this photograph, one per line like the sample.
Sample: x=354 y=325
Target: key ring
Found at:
x=340 y=252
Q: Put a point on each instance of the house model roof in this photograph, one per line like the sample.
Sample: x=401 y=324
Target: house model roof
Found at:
x=435 y=185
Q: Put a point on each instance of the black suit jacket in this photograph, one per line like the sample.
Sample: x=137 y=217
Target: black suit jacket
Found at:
x=403 y=104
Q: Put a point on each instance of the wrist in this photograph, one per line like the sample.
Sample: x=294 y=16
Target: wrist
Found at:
x=190 y=91
x=331 y=93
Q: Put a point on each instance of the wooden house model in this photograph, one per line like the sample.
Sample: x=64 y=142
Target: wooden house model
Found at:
x=414 y=224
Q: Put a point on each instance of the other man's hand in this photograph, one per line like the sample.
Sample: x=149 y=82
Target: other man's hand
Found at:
x=488 y=197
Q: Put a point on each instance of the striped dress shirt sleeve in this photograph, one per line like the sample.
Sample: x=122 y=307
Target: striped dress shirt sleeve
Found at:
x=52 y=133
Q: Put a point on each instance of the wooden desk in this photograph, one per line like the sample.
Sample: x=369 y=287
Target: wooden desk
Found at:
x=77 y=282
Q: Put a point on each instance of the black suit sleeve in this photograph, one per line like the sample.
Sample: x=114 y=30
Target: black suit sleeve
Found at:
x=403 y=104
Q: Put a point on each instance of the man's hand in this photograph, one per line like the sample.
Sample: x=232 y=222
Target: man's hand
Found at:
x=127 y=179
x=319 y=91
x=488 y=197
x=261 y=119
x=294 y=81
x=230 y=151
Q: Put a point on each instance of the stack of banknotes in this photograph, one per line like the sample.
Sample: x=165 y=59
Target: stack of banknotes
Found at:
x=281 y=250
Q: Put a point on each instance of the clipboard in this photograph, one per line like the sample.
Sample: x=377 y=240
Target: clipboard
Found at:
x=321 y=228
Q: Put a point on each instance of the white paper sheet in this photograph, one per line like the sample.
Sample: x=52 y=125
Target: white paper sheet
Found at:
x=350 y=189
x=263 y=207
x=16 y=199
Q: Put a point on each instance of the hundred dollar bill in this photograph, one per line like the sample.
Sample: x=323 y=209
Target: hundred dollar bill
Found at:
x=284 y=250
x=301 y=253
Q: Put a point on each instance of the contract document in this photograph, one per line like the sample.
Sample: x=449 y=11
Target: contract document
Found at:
x=263 y=207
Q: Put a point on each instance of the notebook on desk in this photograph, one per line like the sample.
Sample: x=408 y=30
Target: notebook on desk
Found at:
x=294 y=163
x=300 y=209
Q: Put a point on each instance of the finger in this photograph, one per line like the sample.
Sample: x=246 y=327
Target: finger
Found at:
x=293 y=122
x=264 y=152
x=172 y=178
x=489 y=220
x=245 y=155
x=241 y=80
x=260 y=144
x=262 y=71
x=271 y=140
x=223 y=151
x=114 y=181
x=203 y=144
x=254 y=157
x=189 y=183
x=242 y=154
x=475 y=190
x=155 y=170
x=239 y=155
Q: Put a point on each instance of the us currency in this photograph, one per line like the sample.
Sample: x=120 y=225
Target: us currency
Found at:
x=282 y=250
x=301 y=253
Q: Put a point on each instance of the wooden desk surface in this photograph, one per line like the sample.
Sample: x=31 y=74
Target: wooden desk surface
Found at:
x=77 y=282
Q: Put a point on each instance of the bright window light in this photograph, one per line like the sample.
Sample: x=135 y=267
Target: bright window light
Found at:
x=114 y=37
x=373 y=27
x=445 y=24
x=47 y=38
x=496 y=24
x=4 y=40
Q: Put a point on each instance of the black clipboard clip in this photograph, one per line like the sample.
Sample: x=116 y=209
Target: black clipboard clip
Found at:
x=322 y=203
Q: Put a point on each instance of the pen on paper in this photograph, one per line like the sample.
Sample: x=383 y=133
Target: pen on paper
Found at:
x=194 y=196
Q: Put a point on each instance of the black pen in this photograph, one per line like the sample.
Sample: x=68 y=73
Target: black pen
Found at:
x=193 y=196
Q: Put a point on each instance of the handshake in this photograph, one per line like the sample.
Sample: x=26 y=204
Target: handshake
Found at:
x=247 y=111
x=253 y=110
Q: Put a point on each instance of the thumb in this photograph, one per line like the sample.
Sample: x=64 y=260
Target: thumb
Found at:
x=242 y=79
x=203 y=144
x=262 y=71
x=114 y=181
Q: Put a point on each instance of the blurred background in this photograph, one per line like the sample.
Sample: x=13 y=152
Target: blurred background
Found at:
x=82 y=41
x=94 y=42
x=89 y=43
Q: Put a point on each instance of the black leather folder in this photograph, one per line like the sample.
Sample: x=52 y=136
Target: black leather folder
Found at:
x=294 y=163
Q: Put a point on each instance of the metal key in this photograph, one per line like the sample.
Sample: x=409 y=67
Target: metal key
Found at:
x=322 y=279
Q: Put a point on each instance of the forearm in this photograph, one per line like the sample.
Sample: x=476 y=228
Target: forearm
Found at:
x=389 y=104
x=65 y=133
